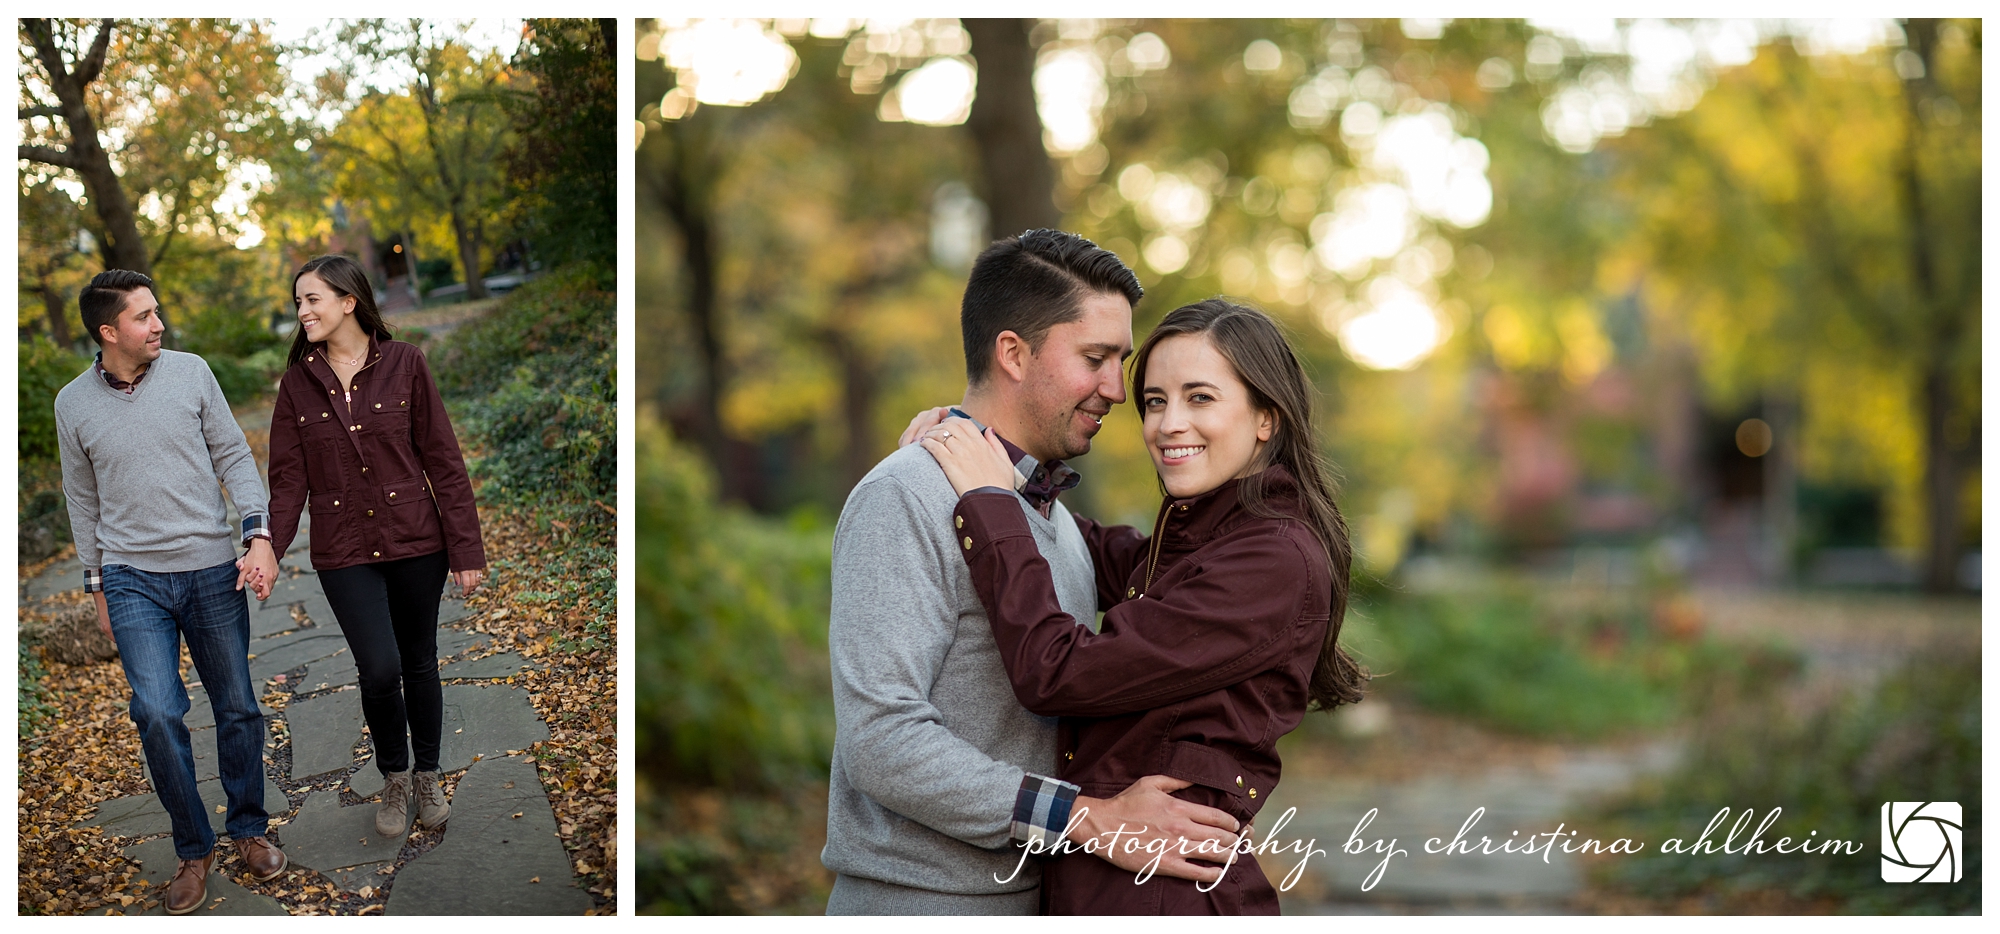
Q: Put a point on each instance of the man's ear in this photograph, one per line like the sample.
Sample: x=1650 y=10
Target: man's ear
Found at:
x=109 y=333
x=1010 y=355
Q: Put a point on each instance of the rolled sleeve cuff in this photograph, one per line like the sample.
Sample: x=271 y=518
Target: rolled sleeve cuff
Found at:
x=93 y=580
x=1041 y=810
x=256 y=526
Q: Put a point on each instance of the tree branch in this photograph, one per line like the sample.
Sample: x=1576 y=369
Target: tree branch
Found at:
x=40 y=110
x=47 y=156
x=92 y=64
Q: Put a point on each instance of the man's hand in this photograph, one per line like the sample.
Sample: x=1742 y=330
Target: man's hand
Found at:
x=104 y=617
x=259 y=568
x=1147 y=804
x=925 y=420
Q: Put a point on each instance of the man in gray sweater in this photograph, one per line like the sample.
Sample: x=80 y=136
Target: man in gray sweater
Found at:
x=145 y=436
x=939 y=780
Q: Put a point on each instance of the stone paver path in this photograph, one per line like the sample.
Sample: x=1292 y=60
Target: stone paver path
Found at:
x=1847 y=639
x=499 y=854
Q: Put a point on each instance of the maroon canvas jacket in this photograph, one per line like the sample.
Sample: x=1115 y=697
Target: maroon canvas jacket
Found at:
x=382 y=482
x=1210 y=634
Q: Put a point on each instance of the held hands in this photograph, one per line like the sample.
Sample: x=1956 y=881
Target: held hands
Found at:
x=467 y=581
x=259 y=568
x=970 y=460
x=1148 y=803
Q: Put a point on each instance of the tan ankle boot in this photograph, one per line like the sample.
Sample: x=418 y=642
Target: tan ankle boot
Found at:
x=393 y=820
x=432 y=808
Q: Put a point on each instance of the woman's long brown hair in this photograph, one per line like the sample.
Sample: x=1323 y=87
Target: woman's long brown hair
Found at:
x=343 y=275
x=1256 y=347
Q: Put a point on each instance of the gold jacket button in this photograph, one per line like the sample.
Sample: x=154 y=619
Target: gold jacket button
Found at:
x=378 y=405
x=958 y=521
x=392 y=496
x=371 y=512
x=324 y=414
x=352 y=427
x=406 y=402
x=364 y=470
x=309 y=359
x=1253 y=792
x=336 y=502
x=1131 y=592
x=1184 y=507
x=1069 y=756
x=1239 y=781
x=379 y=554
x=968 y=543
x=302 y=419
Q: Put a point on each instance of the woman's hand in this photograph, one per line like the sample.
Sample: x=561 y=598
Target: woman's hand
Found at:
x=467 y=581
x=970 y=460
x=925 y=421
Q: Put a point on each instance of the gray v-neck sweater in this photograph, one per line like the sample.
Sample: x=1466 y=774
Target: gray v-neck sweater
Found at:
x=140 y=469
x=930 y=744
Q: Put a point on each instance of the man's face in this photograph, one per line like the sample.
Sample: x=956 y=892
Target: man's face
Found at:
x=1075 y=377
x=135 y=334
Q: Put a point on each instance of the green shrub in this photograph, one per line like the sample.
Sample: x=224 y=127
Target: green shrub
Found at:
x=1913 y=737
x=536 y=380
x=247 y=378
x=33 y=710
x=1508 y=661
x=45 y=370
x=731 y=665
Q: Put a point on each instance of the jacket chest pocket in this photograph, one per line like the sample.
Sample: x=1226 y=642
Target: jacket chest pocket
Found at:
x=388 y=408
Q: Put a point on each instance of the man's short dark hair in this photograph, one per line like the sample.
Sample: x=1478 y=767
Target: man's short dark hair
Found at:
x=104 y=297
x=1030 y=283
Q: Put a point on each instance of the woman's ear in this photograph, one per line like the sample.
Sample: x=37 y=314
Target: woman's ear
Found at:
x=1267 y=424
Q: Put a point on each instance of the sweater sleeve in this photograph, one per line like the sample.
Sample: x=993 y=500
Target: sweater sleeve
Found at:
x=1209 y=631
x=80 y=492
x=229 y=455
x=444 y=467
x=888 y=637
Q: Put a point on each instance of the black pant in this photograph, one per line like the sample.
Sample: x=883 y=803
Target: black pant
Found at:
x=388 y=611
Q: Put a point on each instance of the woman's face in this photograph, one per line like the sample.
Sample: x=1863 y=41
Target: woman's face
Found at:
x=1200 y=425
x=321 y=309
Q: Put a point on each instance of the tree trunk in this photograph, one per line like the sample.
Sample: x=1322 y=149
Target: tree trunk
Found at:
x=1938 y=340
x=684 y=186
x=1007 y=129
x=410 y=264
x=56 y=309
x=858 y=386
x=123 y=247
x=468 y=252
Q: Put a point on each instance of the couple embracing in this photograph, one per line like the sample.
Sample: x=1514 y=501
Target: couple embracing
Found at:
x=360 y=440
x=984 y=710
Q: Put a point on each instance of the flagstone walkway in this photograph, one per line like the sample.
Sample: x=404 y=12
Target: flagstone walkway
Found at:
x=500 y=853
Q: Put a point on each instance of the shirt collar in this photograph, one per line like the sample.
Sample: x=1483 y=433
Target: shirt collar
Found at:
x=1038 y=483
x=115 y=382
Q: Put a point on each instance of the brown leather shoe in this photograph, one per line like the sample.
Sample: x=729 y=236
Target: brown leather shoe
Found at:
x=263 y=857
x=190 y=884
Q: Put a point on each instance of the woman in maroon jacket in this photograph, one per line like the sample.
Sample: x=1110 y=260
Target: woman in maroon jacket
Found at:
x=360 y=440
x=1220 y=629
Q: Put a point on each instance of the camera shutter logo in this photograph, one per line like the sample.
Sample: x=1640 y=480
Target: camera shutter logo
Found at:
x=1923 y=841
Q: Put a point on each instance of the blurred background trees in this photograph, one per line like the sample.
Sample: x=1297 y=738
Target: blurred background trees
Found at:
x=454 y=159
x=1632 y=313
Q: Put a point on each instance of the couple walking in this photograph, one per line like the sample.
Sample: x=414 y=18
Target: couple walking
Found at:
x=983 y=712
x=360 y=439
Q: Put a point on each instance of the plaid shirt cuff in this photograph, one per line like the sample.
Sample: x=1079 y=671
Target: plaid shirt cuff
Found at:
x=254 y=526
x=1041 y=810
x=93 y=580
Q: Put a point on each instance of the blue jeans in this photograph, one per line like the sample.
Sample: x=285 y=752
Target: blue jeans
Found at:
x=150 y=613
